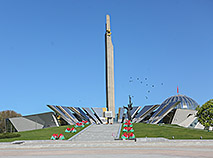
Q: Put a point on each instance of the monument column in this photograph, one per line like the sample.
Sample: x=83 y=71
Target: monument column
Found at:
x=109 y=56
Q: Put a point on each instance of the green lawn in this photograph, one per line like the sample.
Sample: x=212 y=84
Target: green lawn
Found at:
x=44 y=134
x=167 y=131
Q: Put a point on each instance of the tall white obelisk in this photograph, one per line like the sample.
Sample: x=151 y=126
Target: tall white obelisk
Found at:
x=109 y=55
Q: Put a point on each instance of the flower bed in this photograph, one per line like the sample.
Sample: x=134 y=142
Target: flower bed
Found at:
x=127 y=131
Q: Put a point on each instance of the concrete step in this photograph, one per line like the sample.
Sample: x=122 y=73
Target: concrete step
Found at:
x=99 y=133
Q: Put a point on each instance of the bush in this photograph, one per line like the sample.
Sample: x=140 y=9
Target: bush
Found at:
x=9 y=135
x=205 y=114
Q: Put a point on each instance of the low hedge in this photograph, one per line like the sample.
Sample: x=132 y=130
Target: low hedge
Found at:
x=9 y=135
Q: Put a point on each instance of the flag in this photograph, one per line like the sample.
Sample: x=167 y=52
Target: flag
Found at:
x=177 y=90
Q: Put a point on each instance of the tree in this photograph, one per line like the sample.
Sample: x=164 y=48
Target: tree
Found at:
x=197 y=108
x=205 y=114
x=4 y=115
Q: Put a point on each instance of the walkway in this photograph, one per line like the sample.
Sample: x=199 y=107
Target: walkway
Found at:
x=99 y=133
x=112 y=149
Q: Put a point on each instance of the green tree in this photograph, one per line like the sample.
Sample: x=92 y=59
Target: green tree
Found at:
x=205 y=114
x=4 y=115
x=197 y=108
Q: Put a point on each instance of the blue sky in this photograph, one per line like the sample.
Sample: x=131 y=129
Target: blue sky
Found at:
x=52 y=52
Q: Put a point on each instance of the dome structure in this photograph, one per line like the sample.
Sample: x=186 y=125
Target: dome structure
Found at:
x=186 y=102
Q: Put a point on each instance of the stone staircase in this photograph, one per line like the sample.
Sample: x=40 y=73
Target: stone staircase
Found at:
x=98 y=133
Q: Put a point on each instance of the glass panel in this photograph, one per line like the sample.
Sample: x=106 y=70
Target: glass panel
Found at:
x=82 y=113
x=145 y=108
x=98 y=111
x=68 y=111
x=90 y=113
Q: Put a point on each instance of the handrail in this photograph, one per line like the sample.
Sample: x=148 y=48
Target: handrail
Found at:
x=119 y=131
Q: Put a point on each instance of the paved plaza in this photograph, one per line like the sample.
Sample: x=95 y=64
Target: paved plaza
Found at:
x=119 y=148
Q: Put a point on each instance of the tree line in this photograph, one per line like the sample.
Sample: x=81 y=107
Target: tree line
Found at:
x=4 y=115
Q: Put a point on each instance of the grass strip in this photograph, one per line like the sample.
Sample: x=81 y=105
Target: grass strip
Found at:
x=44 y=134
x=168 y=131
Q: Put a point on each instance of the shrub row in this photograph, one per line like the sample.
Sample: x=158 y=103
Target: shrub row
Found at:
x=9 y=135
